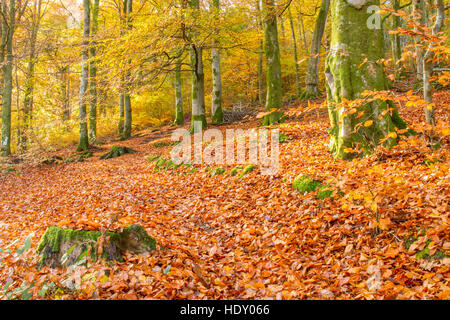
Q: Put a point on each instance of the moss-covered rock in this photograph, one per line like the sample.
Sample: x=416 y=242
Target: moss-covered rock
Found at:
x=117 y=152
x=60 y=248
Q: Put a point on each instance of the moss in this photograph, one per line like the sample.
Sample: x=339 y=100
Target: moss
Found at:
x=217 y=117
x=133 y=239
x=234 y=171
x=198 y=118
x=246 y=170
x=163 y=144
x=117 y=152
x=153 y=158
x=304 y=184
x=218 y=172
x=425 y=252
x=429 y=163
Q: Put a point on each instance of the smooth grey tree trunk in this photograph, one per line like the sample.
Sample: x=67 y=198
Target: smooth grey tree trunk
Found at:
x=179 y=115
x=83 y=144
x=428 y=64
x=216 y=106
x=294 y=40
x=260 y=56
x=93 y=76
x=312 y=74
x=8 y=28
x=198 y=122
x=128 y=121
x=273 y=63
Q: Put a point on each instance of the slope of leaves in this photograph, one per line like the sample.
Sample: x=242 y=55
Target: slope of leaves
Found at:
x=221 y=237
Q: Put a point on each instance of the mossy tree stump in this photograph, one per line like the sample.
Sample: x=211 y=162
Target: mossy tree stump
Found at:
x=117 y=152
x=60 y=248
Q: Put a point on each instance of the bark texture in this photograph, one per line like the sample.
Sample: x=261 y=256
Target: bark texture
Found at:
x=273 y=62
x=216 y=106
x=351 y=68
x=312 y=74
x=83 y=143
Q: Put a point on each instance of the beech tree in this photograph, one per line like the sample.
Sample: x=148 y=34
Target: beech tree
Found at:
x=273 y=62
x=93 y=76
x=312 y=73
x=216 y=109
x=83 y=143
x=352 y=67
x=198 y=80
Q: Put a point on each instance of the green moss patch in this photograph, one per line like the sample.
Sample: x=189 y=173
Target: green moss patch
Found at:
x=246 y=170
x=305 y=184
x=425 y=252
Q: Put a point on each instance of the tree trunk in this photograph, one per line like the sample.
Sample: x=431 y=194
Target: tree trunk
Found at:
x=127 y=99
x=396 y=48
x=216 y=109
x=273 y=62
x=84 y=140
x=428 y=65
x=179 y=115
x=312 y=74
x=351 y=68
x=29 y=78
x=419 y=8
x=198 y=122
x=8 y=29
x=65 y=92
x=302 y=30
x=121 y=113
x=260 y=56
x=294 y=40
x=93 y=77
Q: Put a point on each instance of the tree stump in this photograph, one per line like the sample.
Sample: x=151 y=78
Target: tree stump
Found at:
x=60 y=248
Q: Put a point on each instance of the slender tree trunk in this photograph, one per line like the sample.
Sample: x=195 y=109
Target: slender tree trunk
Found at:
x=121 y=113
x=8 y=27
x=84 y=140
x=396 y=48
x=179 y=115
x=260 y=56
x=419 y=9
x=352 y=67
x=428 y=65
x=29 y=78
x=93 y=77
x=294 y=40
x=198 y=122
x=302 y=31
x=216 y=109
x=273 y=62
x=65 y=91
x=128 y=121
x=312 y=74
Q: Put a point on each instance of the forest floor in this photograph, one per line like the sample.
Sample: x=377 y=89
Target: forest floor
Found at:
x=222 y=237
